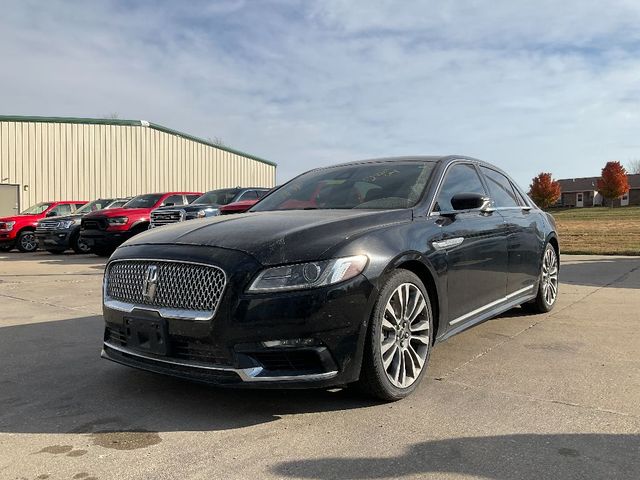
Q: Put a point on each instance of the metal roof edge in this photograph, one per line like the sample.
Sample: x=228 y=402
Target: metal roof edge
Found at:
x=132 y=123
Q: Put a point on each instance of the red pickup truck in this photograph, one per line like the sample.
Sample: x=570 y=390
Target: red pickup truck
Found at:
x=105 y=230
x=19 y=230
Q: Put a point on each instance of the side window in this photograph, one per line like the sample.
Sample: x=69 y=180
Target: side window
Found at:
x=78 y=205
x=262 y=193
x=64 y=209
x=248 y=195
x=460 y=178
x=191 y=198
x=500 y=189
x=173 y=200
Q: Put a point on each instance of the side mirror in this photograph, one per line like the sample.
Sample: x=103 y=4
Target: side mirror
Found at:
x=52 y=213
x=470 y=201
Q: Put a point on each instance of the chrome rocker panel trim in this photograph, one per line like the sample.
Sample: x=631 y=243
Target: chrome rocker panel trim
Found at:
x=492 y=304
x=245 y=374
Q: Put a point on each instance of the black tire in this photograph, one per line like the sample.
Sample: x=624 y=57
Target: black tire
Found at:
x=27 y=241
x=102 y=251
x=79 y=245
x=544 y=302
x=55 y=251
x=375 y=378
x=7 y=247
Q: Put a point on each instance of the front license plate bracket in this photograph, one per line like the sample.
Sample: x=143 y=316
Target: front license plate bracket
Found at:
x=148 y=335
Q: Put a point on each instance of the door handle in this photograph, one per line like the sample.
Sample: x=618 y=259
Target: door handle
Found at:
x=448 y=243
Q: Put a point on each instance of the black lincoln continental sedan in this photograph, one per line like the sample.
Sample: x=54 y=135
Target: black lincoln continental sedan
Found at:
x=344 y=275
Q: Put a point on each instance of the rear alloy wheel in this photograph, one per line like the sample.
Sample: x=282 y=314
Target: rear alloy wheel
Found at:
x=27 y=241
x=547 y=284
x=400 y=338
x=79 y=245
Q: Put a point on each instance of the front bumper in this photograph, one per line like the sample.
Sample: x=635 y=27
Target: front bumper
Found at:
x=53 y=238
x=104 y=238
x=236 y=346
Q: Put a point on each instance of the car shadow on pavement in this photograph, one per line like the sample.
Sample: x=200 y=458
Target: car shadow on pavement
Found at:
x=54 y=381
x=501 y=457
x=40 y=256
x=614 y=271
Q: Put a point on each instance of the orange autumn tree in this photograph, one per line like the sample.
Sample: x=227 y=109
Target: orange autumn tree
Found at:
x=544 y=190
x=614 y=182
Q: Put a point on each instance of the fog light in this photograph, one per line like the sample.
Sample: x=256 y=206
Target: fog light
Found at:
x=291 y=342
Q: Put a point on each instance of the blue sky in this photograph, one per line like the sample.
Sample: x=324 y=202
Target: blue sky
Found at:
x=530 y=86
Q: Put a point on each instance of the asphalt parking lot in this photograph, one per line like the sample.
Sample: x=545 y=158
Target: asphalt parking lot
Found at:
x=526 y=397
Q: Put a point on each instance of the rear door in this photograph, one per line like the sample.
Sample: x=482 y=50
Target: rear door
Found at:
x=475 y=245
x=523 y=244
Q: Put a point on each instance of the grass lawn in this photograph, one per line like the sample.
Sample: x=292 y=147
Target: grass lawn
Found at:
x=599 y=230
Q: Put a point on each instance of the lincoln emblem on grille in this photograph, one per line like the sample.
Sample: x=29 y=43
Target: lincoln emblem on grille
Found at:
x=150 y=283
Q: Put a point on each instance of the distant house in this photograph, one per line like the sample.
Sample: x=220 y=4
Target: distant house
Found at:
x=583 y=192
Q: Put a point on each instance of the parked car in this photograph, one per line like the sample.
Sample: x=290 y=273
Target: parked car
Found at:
x=19 y=230
x=208 y=205
x=346 y=274
x=57 y=234
x=237 y=207
x=104 y=230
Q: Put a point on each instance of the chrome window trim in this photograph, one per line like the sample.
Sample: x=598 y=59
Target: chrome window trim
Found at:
x=492 y=304
x=165 y=312
x=251 y=374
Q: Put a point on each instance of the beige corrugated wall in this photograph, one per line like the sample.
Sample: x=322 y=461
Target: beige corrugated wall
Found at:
x=80 y=161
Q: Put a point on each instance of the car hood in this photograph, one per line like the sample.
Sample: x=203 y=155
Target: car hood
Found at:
x=188 y=208
x=119 y=212
x=18 y=218
x=65 y=217
x=275 y=237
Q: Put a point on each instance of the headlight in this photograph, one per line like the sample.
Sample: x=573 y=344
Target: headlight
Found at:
x=8 y=226
x=117 y=221
x=308 y=275
x=67 y=223
x=207 y=212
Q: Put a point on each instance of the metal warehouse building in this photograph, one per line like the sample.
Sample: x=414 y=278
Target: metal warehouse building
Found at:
x=44 y=158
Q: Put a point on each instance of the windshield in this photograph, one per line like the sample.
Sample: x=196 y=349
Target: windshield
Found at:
x=36 y=209
x=143 y=201
x=117 y=204
x=93 y=206
x=217 y=197
x=381 y=185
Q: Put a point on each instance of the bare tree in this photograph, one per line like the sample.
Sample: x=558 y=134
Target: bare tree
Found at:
x=633 y=166
x=111 y=116
x=216 y=141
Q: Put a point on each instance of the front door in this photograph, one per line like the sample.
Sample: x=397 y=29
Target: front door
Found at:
x=523 y=244
x=475 y=246
x=579 y=200
x=9 y=200
x=624 y=200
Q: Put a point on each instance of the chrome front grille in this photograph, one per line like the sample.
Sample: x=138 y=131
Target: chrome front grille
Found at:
x=165 y=217
x=174 y=289
x=46 y=225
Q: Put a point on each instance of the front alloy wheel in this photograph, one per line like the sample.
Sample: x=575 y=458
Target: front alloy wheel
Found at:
x=27 y=242
x=399 y=339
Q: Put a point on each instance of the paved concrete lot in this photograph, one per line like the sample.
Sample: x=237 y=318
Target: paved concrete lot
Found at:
x=523 y=397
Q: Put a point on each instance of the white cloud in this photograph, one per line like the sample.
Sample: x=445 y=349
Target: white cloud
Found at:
x=530 y=88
